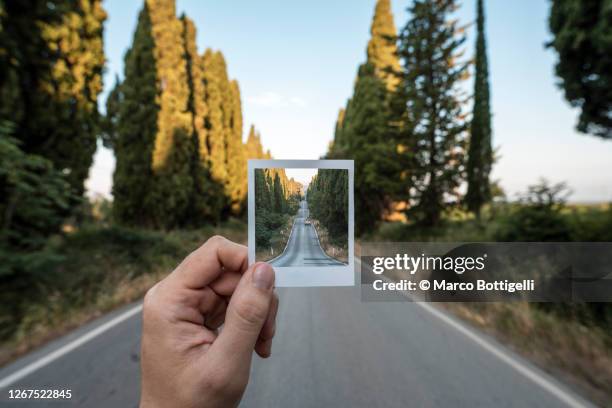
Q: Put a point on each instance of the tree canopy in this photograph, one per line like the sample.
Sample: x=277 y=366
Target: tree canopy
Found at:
x=184 y=164
x=581 y=37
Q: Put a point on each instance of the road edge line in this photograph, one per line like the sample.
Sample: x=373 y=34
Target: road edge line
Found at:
x=67 y=348
x=286 y=245
x=322 y=250
x=503 y=355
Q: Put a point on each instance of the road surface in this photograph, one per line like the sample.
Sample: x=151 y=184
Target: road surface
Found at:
x=331 y=350
x=303 y=247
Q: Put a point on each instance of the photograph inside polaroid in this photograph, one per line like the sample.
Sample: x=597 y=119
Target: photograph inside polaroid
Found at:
x=301 y=217
x=301 y=220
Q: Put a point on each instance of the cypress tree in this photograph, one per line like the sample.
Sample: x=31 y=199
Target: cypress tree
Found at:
x=337 y=144
x=270 y=201
x=137 y=130
x=173 y=147
x=110 y=122
x=195 y=78
x=382 y=49
x=480 y=154
x=279 y=196
x=205 y=204
x=254 y=149
x=362 y=131
x=435 y=134
x=235 y=161
x=50 y=80
x=366 y=131
x=214 y=65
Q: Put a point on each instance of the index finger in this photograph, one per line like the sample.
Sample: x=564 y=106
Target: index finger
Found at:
x=209 y=261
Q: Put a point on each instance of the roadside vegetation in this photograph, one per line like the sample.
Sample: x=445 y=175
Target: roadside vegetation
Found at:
x=88 y=271
x=277 y=200
x=173 y=121
x=339 y=252
x=572 y=340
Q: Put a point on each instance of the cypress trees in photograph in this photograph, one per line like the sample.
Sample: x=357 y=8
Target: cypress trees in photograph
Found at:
x=480 y=153
x=327 y=197
x=276 y=202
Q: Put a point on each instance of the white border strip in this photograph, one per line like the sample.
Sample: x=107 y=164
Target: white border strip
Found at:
x=67 y=348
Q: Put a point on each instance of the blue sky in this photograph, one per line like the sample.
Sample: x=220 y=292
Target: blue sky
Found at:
x=296 y=63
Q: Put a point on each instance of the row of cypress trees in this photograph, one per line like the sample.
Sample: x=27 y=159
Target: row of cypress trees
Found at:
x=175 y=124
x=275 y=192
x=405 y=124
x=276 y=200
x=327 y=197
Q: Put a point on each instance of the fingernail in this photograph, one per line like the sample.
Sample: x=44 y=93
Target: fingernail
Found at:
x=263 y=276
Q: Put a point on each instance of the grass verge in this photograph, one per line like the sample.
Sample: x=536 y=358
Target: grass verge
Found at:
x=335 y=251
x=578 y=354
x=571 y=342
x=278 y=241
x=102 y=268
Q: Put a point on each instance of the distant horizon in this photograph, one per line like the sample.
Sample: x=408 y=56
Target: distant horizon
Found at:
x=302 y=176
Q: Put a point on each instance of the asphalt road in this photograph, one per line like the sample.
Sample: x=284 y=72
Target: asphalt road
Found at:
x=331 y=350
x=303 y=247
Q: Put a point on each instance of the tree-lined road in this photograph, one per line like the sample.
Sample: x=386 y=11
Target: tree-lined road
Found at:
x=330 y=350
x=303 y=247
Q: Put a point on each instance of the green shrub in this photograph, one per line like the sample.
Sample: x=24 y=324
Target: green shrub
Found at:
x=538 y=217
x=79 y=267
x=34 y=200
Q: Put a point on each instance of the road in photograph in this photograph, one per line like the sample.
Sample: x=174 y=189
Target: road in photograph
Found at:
x=303 y=247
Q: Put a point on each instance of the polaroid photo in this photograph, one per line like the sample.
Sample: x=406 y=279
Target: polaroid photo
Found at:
x=301 y=220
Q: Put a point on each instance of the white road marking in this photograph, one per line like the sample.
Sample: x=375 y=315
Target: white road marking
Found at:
x=67 y=348
x=526 y=371
x=286 y=245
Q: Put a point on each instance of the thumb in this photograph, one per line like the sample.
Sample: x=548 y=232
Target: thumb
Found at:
x=246 y=314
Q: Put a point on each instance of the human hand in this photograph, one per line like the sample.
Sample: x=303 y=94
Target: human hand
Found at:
x=186 y=360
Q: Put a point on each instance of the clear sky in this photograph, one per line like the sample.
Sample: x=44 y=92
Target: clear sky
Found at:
x=296 y=62
x=303 y=176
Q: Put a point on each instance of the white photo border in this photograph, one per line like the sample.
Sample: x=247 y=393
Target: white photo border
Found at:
x=303 y=276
